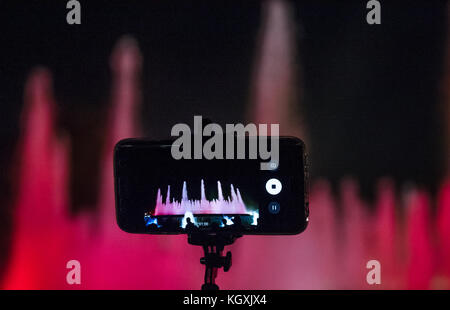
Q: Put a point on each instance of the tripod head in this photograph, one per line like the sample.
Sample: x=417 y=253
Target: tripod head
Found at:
x=213 y=245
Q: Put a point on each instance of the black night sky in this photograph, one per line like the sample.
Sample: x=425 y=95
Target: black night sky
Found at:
x=370 y=93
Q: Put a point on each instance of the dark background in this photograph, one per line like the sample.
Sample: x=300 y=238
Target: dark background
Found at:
x=370 y=93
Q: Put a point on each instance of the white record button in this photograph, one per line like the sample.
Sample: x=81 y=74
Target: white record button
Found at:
x=273 y=186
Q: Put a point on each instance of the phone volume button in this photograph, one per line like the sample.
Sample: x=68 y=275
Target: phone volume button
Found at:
x=306 y=184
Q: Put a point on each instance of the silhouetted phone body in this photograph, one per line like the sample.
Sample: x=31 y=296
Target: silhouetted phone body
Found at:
x=158 y=194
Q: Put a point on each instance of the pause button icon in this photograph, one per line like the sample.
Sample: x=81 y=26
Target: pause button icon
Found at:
x=274 y=207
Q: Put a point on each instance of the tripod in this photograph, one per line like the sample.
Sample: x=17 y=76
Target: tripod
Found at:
x=213 y=245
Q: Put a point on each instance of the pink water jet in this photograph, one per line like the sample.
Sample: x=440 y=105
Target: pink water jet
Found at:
x=233 y=205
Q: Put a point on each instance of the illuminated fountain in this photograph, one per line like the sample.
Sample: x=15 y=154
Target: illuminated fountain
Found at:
x=45 y=235
x=231 y=205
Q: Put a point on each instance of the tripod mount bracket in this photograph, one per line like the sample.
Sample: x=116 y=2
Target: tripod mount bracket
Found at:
x=213 y=245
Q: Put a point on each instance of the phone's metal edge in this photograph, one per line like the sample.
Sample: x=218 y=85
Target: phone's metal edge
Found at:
x=168 y=141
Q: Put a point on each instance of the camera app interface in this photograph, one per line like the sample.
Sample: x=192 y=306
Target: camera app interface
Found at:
x=214 y=205
x=162 y=194
x=159 y=194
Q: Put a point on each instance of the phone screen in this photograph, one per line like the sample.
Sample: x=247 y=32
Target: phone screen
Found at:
x=158 y=194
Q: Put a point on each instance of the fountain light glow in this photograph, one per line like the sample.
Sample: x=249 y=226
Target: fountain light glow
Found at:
x=255 y=217
x=229 y=220
x=230 y=205
x=185 y=217
x=149 y=220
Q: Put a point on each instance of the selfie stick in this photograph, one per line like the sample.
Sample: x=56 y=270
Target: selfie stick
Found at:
x=213 y=245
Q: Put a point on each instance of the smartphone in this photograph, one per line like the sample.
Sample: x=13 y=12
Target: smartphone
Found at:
x=158 y=194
